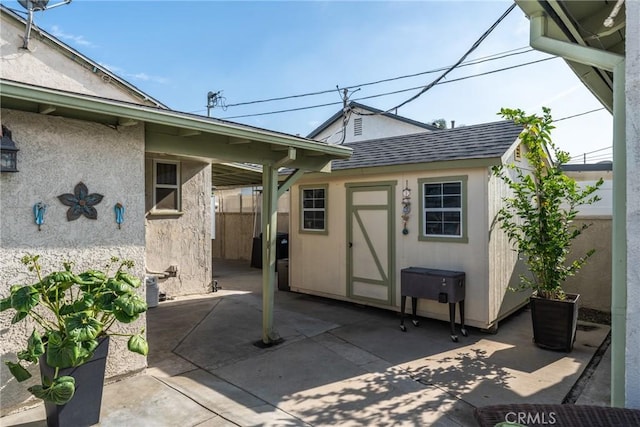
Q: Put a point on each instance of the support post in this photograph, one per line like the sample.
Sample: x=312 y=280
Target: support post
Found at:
x=269 y=235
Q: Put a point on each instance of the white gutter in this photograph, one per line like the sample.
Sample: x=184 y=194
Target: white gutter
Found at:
x=608 y=61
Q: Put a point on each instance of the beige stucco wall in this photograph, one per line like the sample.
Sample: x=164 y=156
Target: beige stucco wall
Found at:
x=593 y=281
x=55 y=155
x=183 y=240
x=318 y=262
x=46 y=64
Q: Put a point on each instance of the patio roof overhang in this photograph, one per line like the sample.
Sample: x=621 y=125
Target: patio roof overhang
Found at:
x=240 y=154
x=186 y=135
x=582 y=23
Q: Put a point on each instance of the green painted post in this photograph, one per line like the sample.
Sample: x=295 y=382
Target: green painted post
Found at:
x=269 y=234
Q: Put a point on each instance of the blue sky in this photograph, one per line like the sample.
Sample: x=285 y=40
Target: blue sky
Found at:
x=178 y=51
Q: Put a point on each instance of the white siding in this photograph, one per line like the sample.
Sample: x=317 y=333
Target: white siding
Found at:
x=373 y=127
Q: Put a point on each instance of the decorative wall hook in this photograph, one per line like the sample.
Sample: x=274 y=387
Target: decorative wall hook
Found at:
x=406 y=207
x=119 y=210
x=39 y=210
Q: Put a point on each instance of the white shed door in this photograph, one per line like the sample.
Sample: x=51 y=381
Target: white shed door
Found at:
x=370 y=242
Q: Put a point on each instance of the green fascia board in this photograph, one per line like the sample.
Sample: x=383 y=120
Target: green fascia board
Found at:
x=84 y=106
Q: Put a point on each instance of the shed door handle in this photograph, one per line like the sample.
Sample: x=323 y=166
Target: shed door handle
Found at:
x=350 y=244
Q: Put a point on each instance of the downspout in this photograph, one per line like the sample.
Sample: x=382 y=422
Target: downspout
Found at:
x=616 y=63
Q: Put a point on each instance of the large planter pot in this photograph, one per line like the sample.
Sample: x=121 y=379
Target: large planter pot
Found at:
x=84 y=408
x=554 y=322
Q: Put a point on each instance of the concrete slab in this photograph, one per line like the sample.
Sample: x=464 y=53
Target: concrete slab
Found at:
x=340 y=364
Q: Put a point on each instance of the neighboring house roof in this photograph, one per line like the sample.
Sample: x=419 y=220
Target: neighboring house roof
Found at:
x=75 y=55
x=483 y=141
x=588 y=167
x=582 y=23
x=352 y=104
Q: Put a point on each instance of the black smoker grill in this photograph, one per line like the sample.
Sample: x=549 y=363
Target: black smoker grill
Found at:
x=440 y=285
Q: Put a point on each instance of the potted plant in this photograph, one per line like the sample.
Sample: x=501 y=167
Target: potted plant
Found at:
x=538 y=219
x=73 y=315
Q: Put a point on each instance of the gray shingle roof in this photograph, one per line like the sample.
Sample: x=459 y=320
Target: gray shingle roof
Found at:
x=483 y=141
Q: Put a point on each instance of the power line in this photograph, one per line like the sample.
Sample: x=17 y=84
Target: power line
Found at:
x=493 y=57
x=390 y=93
x=448 y=70
x=471 y=49
x=580 y=114
x=453 y=81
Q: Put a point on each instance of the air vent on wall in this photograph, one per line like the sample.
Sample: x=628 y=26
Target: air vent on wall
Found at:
x=357 y=126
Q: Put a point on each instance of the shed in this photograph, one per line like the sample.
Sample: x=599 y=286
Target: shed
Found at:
x=348 y=236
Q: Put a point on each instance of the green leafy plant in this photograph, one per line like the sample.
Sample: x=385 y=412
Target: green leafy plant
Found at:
x=72 y=313
x=539 y=216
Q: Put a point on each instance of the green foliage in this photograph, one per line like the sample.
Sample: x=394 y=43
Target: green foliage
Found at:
x=72 y=312
x=539 y=217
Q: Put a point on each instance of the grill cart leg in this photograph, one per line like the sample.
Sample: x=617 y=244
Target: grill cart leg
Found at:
x=403 y=304
x=463 y=330
x=452 y=321
x=414 y=306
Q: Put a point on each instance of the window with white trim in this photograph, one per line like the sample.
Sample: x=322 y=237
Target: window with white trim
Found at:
x=313 y=211
x=166 y=185
x=443 y=208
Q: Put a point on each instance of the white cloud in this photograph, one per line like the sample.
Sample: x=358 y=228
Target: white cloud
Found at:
x=147 y=78
x=77 y=40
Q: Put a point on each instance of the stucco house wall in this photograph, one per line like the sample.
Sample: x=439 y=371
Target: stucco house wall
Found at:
x=48 y=63
x=55 y=155
x=182 y=240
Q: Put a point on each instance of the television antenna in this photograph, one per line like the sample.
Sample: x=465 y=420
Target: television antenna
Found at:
x=35 y=6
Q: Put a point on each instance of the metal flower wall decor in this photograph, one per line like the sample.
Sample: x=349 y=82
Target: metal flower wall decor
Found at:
x=81 y=202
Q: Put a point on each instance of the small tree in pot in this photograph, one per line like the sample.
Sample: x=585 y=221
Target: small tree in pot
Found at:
x=539 y=221
x=73 y=314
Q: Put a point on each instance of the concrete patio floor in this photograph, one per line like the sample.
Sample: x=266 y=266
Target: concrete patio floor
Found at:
x=340 y=364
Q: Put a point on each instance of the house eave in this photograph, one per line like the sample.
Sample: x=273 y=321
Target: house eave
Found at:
x=181 y=134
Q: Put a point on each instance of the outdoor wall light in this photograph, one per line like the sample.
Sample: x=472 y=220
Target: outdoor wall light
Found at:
x=8 y=152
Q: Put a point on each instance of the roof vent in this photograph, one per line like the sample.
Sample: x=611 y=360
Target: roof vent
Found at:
x=357 y=126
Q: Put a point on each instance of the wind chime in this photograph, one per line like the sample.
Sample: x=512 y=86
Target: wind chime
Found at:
x=406 y=207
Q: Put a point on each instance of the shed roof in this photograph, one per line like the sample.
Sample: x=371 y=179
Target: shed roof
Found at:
x=487 y=141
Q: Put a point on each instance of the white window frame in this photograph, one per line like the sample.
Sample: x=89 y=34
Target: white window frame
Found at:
x=462 y=209
x=177 y=186
x=302 y=228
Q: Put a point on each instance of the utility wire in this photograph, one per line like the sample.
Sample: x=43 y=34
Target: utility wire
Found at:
x=580 y=114
x=449 y=81
x=389 y=93
x=443 y=75
x=494 y=57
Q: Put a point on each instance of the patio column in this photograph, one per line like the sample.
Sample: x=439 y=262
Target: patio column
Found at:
x=269 y=235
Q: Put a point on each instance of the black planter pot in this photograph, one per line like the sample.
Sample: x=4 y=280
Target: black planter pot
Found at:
x=84 y=408
x=554 y=322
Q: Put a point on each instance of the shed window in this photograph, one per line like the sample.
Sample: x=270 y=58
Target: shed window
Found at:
x=166 y=185
x=313 y=209
x=443 y=209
